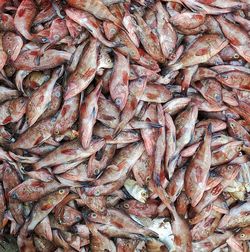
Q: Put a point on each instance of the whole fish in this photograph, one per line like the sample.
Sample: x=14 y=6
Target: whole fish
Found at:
x=85 y=71
x=200 y=51
x=88 y=114
x=35 y=135
x=44 y=206
x=119 y=81
x=40 y=99
x=70 y=151
x=197 y=171
x=24 y=17
x=95 y=7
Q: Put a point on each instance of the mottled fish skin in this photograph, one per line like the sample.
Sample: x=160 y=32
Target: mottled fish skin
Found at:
x=44 y=206
x=118 y=85
x=88 y=114
x=201 y=51
x=197 y=171
x=85 y=71
x=25 y=14
x=70 y=151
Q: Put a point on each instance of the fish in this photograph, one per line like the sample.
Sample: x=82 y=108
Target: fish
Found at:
x=200 y=51
x=118 y=85
x=70 y=151
x=124 y=125
x=85 y=71
x=136 y=191
x=42 y=96
x=96 y=7
x=88 y=114
x=24 y=17
x=196 y=174
x=44 y=206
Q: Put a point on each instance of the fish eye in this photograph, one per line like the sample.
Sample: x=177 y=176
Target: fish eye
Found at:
x=61 y=191
x=132 y=53
x=97 y=193
x=113 y=30
x=230 y=167
x=126 y=205
x=57 y=132
x=217 y=97
x=239 y=148
x=93 y=215
x=96 y=171
x=8 y=170
x=170 y=50
x=102 y=209
x=109 y=198
x=118 y=101
x=231 y=124
x=44 y=40
x=148 y=178
x=78 y=218
x=242 y=235
x=8 y=51
x=56 y=36
x=58 y=94
x=144 y=194
x=140 y=81
x=236 y=56
x=53 y=119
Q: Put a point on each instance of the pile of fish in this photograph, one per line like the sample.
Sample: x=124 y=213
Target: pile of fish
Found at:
x=125 y=125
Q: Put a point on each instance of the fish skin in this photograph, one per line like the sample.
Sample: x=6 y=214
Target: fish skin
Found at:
x=35 y=135
x=237 y=217
x=51 y=58
x=184 y=124
x=44 y=206
x=90 y=23
x=88 y=114
x=33 y=190
x=136 y=90
x=25 y=14
x=118 y=85
x=239 y=42
x=13 y=110
x=124 y=125
x=120 y=38
x=69 y=151
x=226 y=153
x=96 y=7
x=40 y=99
x=67 y=115
x=200 y=51
x=85 y=71
x=197 y=171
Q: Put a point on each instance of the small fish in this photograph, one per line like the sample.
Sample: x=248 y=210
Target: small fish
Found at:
x=136 y=191
x=118 y=86
x=41 y=98
x=44 y=206
x=88 y=114
x=197 y=171
x=24 y=17
x=85 y=71
x=200 y=51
